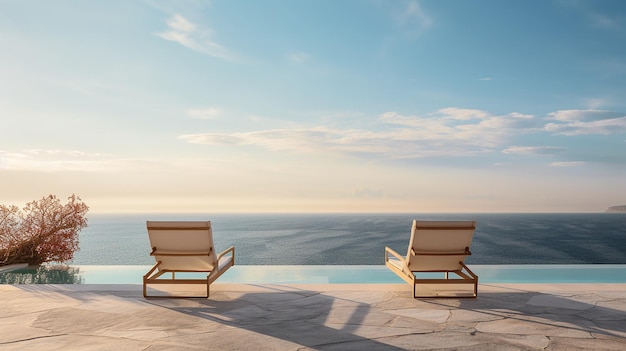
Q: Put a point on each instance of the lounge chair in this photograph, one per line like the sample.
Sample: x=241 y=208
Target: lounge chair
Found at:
x=436 y=246
x=185 y=247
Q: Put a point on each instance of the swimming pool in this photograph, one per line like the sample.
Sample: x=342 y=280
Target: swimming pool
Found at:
x=353 y=274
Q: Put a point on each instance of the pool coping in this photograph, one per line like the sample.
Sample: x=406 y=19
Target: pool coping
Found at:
x=345 y=274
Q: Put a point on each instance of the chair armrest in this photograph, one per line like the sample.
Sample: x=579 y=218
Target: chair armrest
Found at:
x=388 y=251
x=405 y=267
x=145 y=276
x=223 y=253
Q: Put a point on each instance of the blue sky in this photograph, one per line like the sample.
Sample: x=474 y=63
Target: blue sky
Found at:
x=315 y=106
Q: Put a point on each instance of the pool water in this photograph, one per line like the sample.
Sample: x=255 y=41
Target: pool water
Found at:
x=241 y=274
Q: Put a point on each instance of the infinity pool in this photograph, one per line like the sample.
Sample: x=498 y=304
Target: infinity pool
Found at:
x=84 y=274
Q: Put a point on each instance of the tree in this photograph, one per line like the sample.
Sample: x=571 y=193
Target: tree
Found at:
x=43 y=231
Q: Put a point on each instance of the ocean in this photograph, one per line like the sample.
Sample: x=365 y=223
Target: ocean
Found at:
x=359 y=239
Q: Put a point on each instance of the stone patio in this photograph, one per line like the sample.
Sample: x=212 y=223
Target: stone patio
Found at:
x=313 y=317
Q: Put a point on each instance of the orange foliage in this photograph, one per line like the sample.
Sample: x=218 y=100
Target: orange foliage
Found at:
x=43 y=231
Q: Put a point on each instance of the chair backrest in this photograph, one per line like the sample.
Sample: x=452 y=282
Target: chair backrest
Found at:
x=182 y=245
x=439 y=245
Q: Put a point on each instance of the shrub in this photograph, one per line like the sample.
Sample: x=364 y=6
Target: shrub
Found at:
x=43 y=231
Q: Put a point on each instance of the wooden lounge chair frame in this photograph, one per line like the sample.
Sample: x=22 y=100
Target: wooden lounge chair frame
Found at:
x=154 y=275
x=407 y=273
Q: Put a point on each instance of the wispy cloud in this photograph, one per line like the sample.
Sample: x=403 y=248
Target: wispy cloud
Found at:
x=447 y=132
x=533 y=150
x=413 y=19
x=309 y=140
x=476 y=127
x=608 y=21
x=595 y=103
x=55 y=160
x=463 y=113
x=578 y=115
x=598 y=17
x=568 y=164
x=485 y=78
x=207 y=113
x=298 y=57
x=408 y=16
x=194 y=37
x=580 y=122
x=367 y=193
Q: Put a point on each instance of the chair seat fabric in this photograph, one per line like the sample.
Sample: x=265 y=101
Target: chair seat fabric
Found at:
x=185 y=246
x=396 y=262
x=435 y=246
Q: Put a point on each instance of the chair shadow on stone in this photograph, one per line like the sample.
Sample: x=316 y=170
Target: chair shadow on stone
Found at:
x=581 y=317
x=307 y=318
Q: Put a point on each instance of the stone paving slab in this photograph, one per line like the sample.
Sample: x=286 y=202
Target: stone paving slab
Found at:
x=313 y=317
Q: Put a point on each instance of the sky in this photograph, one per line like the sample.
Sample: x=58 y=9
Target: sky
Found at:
x=315 y=105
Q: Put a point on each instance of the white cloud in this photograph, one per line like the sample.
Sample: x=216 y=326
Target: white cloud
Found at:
x=446 y=114
x=414 y=121
x=208 y=113
x=296 y=140
x=447 y=132
x=532 y=150
x=568 y=164
x=194 y=37
x=475 y=127
x=216 y=139
x=577 y=115
x=520 y=115
x=464 y=114
x=180 y=24
x=486 y=78
x=581 y=122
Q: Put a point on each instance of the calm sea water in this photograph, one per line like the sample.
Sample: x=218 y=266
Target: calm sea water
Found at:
x=359 y=239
